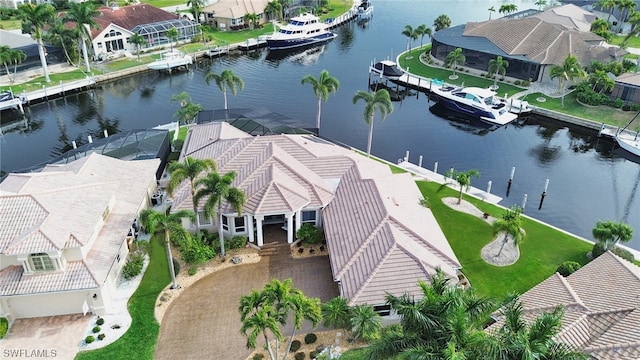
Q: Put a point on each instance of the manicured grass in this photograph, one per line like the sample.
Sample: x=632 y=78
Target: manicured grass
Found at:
x=164 y=3
x=355 y=354
x=139 y=342
x=336 y=8
x=37 y=83
x=634 y=41
x=541 y=252
x=232 y=37
x=11 y=24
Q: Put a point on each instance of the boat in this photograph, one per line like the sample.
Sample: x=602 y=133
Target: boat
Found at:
x=365 y=10
x=302 y=30
x=630 y=143
x=474 y=101
x=170 y=60
x=387 y=68
x=516 y=106
x=216 y=51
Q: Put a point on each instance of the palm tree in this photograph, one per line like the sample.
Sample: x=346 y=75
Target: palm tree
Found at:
x=607 y=4
x=511 y=225
x=182 y=98
x=216 y=189
x=83 y=15
x=226 y=79
x=172 y=34
x=171 y=225
x=137 y=40
x=508 y=8
x=251 y=19
x=496 y=66
x=59 y=34
x=610 y=233
x=336 y=313
x=411 y=35
x=625 y=7
x=9 y=56
x=423 y=30
x=366 y=324
x=381 y=101
x=540 y=4
x=189 y=169
x=441 y=22
x=196 y=8
x=274 y=7
x=599 y=78
x=323 y=86
x=568 y=71
x=491 y=10
x=261 y=322
x=34 y=19
x=601 y=27
x=187 y=113
x=463 y=179
x=454 y=58
x=518 y=339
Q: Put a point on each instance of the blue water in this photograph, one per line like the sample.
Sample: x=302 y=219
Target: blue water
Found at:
x=588 y=181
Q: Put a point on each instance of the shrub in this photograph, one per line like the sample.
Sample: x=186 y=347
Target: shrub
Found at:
x=89 y=339
x=96 y=329
x=177 y=145
x=310 y=338
x=295 y=345
x=196 y=251
x=100 y=321
x=623 y=253
x=4 y=327
x=598 y=250
x=258 y=357
x=567 y=268
x=192 y=270
x=526 y=82
x=133 y=267
x=238 y=242
x=517 y=82
x=313 y=354
x=101 y=336
x=309 y=234
x=300 y=356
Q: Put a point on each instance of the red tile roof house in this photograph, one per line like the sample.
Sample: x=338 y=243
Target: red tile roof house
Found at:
x=531 y=44
x=600 y=301
x=64 y=233
x=117 y=24
x=378 y=235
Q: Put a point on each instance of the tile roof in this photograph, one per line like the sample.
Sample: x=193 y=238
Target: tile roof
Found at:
x=235 y=9
x=60 y=208
x=569 y=16
x=629 y=79
x=601 y=307
x=130 y=16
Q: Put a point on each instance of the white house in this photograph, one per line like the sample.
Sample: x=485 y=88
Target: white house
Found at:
x=64 y=233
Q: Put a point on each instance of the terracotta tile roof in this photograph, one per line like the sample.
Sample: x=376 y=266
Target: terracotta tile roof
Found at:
x=601 y=307
x=130 y=16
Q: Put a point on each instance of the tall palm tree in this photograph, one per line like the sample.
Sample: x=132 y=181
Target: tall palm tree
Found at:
x=508 y=9
x=83 y=15
x=173 y=35
x=381 y=101
x=322 y=86
x=226 y=79
x=60 y=35
x=366 y=324
x=187 y=113
x=568 y=71
x=34 y=19
x=423 y=30
x=491 y=10
x=441 y=22
x=600 y=79
x=196 y=8
x=511 y=225
x=216 y=189
x=607 y=4
x=463 y=179
x=171 y=225
x=137 y=40
x=11 y=56
x=189 y=169
x=610 y=233
x=454 y=58
x=497 y=66
x=411 y=35
x=274 y=7
x=336 y=313
x=625 y=6
x=261 y=322
x=540 y=4
x=251 y=19
x=518 y=339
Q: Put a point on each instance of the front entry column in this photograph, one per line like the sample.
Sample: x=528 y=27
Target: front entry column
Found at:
x=259 y=226
x=290 y=230
x=250 y=227
x=298 y=220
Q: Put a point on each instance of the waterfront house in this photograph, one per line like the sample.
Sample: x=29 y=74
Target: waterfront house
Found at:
x=626 y=88
x=600 y=301
x=229 y=14
x=531 y=44
x=64 y=234
x=378 y=235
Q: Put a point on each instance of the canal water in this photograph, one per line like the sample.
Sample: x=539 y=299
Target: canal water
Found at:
x=589 y=179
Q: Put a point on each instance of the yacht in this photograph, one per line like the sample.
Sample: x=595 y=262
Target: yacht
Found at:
x=476 y=102
x=365 y=10
x=170 y=60
x=387 y=68
x=302 y=30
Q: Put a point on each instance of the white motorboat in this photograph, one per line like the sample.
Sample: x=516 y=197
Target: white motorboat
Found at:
x=302 y=30
x=387 y=68
x=365 y=10
x=170 y=60
x=627 y=141
x=474 y=101
x=216 y=51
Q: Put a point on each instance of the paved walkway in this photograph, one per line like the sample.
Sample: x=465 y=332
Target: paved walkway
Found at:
x=204 y=321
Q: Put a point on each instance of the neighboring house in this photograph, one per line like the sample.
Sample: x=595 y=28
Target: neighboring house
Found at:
x=601 y=312
x=229 y=14
x=12 y=4
x=378 y=235
x=531 y=44
x=18 y=41
x=117 y=24
x=64 y=233
x=627 y=88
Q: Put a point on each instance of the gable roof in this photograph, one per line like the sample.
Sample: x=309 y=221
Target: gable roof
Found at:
x=601 y=307
x=129 y=17
x=570 y=16
x=629 y=79
x=235 y=9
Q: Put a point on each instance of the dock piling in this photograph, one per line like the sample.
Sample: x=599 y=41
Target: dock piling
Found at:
x=524 y=202
x=420 y=161
x=435 y=167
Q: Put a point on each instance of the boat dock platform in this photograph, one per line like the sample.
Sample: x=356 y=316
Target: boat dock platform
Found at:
x=47 y=92
x=252 y=44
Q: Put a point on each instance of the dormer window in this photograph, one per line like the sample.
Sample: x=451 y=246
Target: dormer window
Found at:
x=41 y=262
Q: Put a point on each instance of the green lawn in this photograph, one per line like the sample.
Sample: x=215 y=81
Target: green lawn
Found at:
x=139 y=342
x=11 y=24
x=634 y=41
x=37 y=83
x=540 y=253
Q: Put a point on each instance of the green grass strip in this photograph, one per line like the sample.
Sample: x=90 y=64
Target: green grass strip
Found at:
x=139 y=342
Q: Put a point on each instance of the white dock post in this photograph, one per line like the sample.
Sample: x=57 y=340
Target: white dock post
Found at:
x=420 y=161
x=601 y=129
x=61 y=88
x=406 y=156
x=524 y=201
x=44 y=88
x=106 y=134
x=90 y=139
x=73 y=143
x=435 y=167
x=489 y=183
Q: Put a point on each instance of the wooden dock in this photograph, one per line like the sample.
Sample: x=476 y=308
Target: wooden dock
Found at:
x=47 y=92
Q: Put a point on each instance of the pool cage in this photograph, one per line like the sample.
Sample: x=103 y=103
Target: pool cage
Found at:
x=155 y=33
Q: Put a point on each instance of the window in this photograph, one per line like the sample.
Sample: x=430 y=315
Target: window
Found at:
x=309 y=216
x=41 y=262
x=204 y=220
x=225 y=223
x=118 y=258
x=239 y=224
x=383 y=310
x=99 y=45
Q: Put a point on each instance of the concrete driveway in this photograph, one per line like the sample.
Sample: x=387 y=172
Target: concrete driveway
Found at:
x=204 y=323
